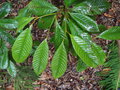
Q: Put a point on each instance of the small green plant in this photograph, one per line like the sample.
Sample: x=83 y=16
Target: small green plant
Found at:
x=111 y=72
x=72 y=26
x=111 y=80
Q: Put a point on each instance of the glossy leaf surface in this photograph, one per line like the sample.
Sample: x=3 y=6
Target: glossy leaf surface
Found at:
x=77 y=31
x=59 y=62
x=6 y=36
x=22 y=46
x=85 y=22
x=41 y=7
x=11 y=69
x=111 y=34
x=40 y=58
x=91 y=7
x=5 y=9
x=8 y=24
x=91 y=54
x=3 y=56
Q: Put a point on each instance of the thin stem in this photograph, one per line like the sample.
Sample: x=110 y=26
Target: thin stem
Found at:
x=36 y=18
x=47 y=15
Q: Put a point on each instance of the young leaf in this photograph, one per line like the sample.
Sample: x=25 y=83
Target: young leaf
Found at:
x=40 y=58
x=85 y=22
x=81 y=66
x=5 y=9
x=91 y=7
x=41 y=7
x=8 y=24
x=23 y=21
x=91 y=54
x=46 y=22
x=69 y=2
x=111 y=34
x=11 y=69
x=59 y=62
x=3 y=57
x=22 y=46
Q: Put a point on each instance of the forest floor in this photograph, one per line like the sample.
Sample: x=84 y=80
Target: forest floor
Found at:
x=72 y=80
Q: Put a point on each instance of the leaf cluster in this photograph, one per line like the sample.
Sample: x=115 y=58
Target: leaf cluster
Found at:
x=71 y=28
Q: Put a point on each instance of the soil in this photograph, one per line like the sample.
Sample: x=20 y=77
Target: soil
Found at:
x=72 y=80
x=112 y=16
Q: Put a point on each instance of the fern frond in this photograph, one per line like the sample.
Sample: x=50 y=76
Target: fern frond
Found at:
x=111 y=79
x=25 y=78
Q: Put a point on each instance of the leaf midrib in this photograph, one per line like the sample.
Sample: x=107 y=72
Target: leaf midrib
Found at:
x=24 y=41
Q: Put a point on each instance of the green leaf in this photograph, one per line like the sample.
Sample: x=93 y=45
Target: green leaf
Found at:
x=69 y=2
x=6 y=36
x=5 y=9
x=41 y=7
x=81 y=66
x=59 y=35
x=40 y=58
x=91 y=54
x=8 y=24
x=11 y=69
x=111 y=34
x=74 y=29
x=46 y=22
x=85 y=22
x=64 y=24
x=59 y=62
x=22 y=46
x=65 y=29
x=91 y=7
x=98 y=51
x=24 y=12
x=77 y=31
x=23 y=21
x=3 y=57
